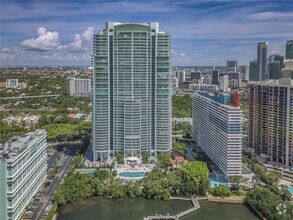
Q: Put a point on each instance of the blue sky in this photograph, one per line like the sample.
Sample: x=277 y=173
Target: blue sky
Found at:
x=203 y=32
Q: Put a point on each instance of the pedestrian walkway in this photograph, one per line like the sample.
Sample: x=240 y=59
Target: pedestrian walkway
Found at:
x=194 y=202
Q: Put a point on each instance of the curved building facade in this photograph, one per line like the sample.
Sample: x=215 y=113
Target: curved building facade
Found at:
x=131 y=91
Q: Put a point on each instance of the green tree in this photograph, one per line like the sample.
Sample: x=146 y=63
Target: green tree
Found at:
x=178 y=149
x=221 y=190
x=102 y=175
x=163 y=161
x=195 y=176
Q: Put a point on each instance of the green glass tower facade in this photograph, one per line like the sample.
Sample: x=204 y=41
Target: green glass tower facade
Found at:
x=131 y=91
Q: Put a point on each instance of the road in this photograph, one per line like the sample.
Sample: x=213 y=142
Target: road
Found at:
x=45 y=199
x=31 y=97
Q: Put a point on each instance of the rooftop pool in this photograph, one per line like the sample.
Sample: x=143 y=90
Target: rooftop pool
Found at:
x=131 y=175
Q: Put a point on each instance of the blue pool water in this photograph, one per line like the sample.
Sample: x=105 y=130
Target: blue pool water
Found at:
x=132 y=174
x=290 y=190
x=215 y=182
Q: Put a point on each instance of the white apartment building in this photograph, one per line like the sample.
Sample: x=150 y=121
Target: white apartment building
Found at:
x=131 y=91
x=23 y=169
x=11 y=83
x=224 y=83
x=78 y=87
x=217 y=130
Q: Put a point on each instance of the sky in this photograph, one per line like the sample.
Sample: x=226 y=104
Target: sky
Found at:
x=203 y=32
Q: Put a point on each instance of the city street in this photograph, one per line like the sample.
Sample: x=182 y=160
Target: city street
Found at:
x=65 y=161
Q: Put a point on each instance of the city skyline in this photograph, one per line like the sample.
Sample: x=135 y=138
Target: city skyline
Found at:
x=204 y=32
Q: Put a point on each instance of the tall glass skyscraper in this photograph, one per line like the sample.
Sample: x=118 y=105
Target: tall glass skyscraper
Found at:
x=262 y=54
x=131 y=91
x=289 y=49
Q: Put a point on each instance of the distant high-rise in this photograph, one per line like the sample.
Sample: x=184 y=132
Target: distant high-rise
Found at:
x=78 y=87
x=262 y=69
x=253 y=71
x=196 y=76
x=180 y=75
x=231 y=65
x=11 y=83
x=217 y=129
x=224 y=83
x=131 y=91
x=236 y=77
x=275 y=66
x=287 y=71
x=216 y=77
x=289 y=49
x=244 y=70
x=271 y=120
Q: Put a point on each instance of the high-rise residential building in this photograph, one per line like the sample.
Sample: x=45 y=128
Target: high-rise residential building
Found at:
x=236 y=77
x=207 y=79
x=78 y=87
x=11 y=83
x=231 y=65
x=244 y=70
x=216 y=77
x=289 y=49
x=287 y=71
x=197 y=76
x=253 y=71
x=131 y=91
x=180 y=75
x=224 y=83
x=23 y=169
x=217 y=130
x=275 y=66
x=262 y=54
x=271 y=120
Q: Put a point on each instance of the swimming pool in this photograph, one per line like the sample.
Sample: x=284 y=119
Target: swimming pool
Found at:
x=215 y=182
x=132 y=175
x=290 y=190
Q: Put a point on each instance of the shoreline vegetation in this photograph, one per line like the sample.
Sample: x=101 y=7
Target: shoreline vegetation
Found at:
x=164 y=183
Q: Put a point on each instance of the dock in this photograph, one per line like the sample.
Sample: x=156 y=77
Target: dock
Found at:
x=194 y=202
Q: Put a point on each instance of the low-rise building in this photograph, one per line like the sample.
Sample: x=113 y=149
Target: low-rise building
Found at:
x=23 y=169
x=11 y=83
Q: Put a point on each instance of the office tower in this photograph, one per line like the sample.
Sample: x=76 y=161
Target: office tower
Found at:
x=23 y=169
x=287 y=71
x=271 y=120
x=289 y=49
x=262 y=51
x=78 y=87
x=275 y=66
x=196 y=76
x=217 y=130
x=253 y=71
x=224 y=83
x=11 y=83
x=236 y=76
x=180 y=75
x=216 y=77
x=244 y=70
x=231 y=66
x=131 y=91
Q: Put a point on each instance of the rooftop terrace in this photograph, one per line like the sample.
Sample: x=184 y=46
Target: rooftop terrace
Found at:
x=12 y=148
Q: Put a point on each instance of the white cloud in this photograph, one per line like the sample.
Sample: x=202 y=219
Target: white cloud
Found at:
x=88 y=34
x=45 y=41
